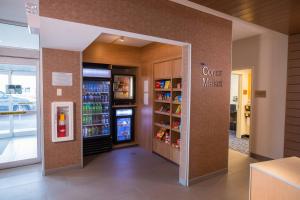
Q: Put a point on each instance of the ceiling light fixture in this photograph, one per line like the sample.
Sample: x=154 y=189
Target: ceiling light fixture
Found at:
x=122 y=39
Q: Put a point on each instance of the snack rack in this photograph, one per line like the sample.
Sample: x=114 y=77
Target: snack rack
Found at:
x=167 y=117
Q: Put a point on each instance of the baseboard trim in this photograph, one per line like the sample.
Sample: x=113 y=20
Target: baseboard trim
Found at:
x=259 y=157
x=126 y=145
x=47 y=172
x=183 y=182
x=207 y=176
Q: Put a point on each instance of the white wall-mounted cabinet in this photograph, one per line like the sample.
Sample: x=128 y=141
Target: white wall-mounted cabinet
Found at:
x=62 y=121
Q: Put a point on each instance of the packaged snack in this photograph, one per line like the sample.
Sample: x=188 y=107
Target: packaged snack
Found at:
x=162 y=84
x=157 y=84
x=160 y=134
x=178 y=110
x=167 y=84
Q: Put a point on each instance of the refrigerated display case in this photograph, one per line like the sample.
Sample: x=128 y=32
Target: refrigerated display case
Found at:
x=123 y=89
x=96 y=111
x=124 y=125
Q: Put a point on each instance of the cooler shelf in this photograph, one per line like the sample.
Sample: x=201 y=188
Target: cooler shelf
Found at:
x=95 y=124
x=96 y=136
x=106 y=113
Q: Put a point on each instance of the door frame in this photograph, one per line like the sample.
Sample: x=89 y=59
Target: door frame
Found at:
x=183 y=175
x=10 y=121
x=252 y=132
x=25 y=57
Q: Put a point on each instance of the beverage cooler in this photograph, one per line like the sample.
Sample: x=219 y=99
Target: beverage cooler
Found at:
x=123 y=125
x=96 y=110
x=123 y=89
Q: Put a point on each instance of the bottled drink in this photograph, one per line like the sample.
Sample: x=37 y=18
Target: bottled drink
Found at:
x=100 y=89
x=96 y=130
x=83 y=120
x=95 y=108
x=89 y=131
x=90 y=108
x=85 y=131
x=86 y=108
x=100 y=108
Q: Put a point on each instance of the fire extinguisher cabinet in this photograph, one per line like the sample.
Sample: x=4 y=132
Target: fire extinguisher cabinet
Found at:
x=62 y=121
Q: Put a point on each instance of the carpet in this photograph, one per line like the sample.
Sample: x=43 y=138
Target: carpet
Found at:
x=238 y=144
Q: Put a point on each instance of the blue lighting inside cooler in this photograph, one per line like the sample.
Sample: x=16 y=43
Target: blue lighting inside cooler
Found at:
x=123 y=129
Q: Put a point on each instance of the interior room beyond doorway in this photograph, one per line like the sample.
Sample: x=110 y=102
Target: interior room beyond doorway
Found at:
x=240 y=110
x=146 y=83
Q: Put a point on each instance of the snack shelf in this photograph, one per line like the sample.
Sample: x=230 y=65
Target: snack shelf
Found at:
x=167 y=107
x=176 y=115
x=162 y=125
x=162 y=113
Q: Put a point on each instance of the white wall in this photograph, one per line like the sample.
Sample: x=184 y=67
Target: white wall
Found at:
x=267 y=53
x=234 y=88
x=243 y=123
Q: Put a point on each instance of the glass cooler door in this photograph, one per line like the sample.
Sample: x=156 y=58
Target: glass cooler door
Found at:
x=96 y=108
x=124 y=125
x=123 y=129
x=123 y=87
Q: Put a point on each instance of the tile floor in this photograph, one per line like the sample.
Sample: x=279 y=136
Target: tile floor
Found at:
x=18 y=148
x=125 y=174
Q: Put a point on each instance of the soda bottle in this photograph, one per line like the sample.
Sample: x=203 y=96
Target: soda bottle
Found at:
x=96 y=130
x=100 y=108
x=95 y=108
x=85 y=132
x=93 y=130
x=89 y=108
x=89 y=131
x=86 y=108
x=100 y=87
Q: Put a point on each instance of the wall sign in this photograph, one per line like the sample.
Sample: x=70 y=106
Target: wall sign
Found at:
x=62 y=79
x=211 y=77
x=260 y=93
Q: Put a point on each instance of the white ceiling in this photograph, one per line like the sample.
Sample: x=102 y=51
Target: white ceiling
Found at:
x=115 y=39
x=59 y=34
x=241 y=31
x=13 y=10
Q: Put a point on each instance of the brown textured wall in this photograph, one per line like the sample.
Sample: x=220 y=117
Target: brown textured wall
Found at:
x=292 y=121
x=61 y=154
x=210 y=37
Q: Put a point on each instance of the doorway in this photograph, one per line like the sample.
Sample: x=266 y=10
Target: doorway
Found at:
x=240 y=110
x=18 y=115
x=157 y=68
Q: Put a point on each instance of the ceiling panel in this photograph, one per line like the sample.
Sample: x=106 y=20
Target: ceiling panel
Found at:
x=279 y=15
x=116 y=39
x=12 y=11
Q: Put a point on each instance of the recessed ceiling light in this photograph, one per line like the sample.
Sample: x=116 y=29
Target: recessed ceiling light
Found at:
x=122 y=39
